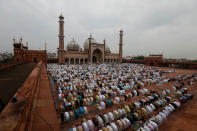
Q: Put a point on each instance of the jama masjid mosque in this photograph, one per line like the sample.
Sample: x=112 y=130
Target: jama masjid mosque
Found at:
x=92 y=52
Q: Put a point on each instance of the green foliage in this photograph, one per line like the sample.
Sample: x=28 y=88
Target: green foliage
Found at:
x=195 y=61
x=139 y=57
x=7 y=60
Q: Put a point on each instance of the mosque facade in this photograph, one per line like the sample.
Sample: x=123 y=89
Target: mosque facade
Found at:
x=92 y=52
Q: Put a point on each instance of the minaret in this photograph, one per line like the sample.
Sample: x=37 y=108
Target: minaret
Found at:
x=120 y=47
x=61 y=40
x=14 y=40
x=27 y=45
x=89 y=50
x=104 y=42
x=45 y=46
x=21 y=39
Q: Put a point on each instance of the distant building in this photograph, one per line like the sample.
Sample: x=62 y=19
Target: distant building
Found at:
x=127 y=57
x=23 y=54
x=154 y=60
x=1 y=58
x=183 y=60
x=51 y=55
x=5 y=56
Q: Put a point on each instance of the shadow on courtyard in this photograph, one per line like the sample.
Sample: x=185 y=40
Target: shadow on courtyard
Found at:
x=11 y=79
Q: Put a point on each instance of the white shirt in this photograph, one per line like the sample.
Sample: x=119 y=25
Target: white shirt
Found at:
x=117 y=99
x=120 y=112
x=59 y=96
x=66 y=116
x=127 y=122
x=165 y=112
x=74 y=128
x=102 y=104
x=154 y=125
x=152 y=106
x=101 y=124
x=113 y=125
x=146 y=128
x=169 y=108
x=177 y=104
x=109 y=128
x=85 y=110
x=135 y=92
x=110 y=116
x=90 y=124
x=149 y=109
x=163 y=116
x=106 y=118
x=172 y=107
x=159 y=119
x=124 y=123
x=85 y=126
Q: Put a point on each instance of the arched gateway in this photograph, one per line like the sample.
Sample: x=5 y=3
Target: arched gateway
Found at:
x=97 y=56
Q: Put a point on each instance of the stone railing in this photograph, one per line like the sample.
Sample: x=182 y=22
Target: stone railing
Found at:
x=16 y=114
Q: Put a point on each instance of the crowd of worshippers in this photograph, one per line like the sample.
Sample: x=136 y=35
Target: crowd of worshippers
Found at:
x=181 y=96
x=122 y=118
x=147 y=114
x=82 y=85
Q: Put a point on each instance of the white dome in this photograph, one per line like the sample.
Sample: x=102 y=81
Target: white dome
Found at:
x=107 y=49
x=73 y=45
x=86 y=43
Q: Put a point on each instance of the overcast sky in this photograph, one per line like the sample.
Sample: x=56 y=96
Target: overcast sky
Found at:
x=150 y=26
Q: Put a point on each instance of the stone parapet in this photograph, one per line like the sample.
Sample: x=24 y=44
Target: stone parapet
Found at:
x=16 y=114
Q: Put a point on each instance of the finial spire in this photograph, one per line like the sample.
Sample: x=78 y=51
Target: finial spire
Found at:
x=45 y=45
x=21 y=39
x=90 y=35
x=27 y=44
x=121 y=32
x=14 y=40
x=61 y=16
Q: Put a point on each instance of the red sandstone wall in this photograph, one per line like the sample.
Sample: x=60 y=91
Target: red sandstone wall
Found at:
x=15 y=115
x=153 y=61
x=30 y=56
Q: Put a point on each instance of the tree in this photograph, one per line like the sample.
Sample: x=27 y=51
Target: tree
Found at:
x=139 y=57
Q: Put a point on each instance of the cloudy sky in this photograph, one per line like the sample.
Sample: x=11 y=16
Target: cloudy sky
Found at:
x=150 y=26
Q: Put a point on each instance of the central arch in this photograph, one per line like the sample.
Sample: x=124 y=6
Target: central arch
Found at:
x=35 y=60
x=94 y=59
x=97 y=56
